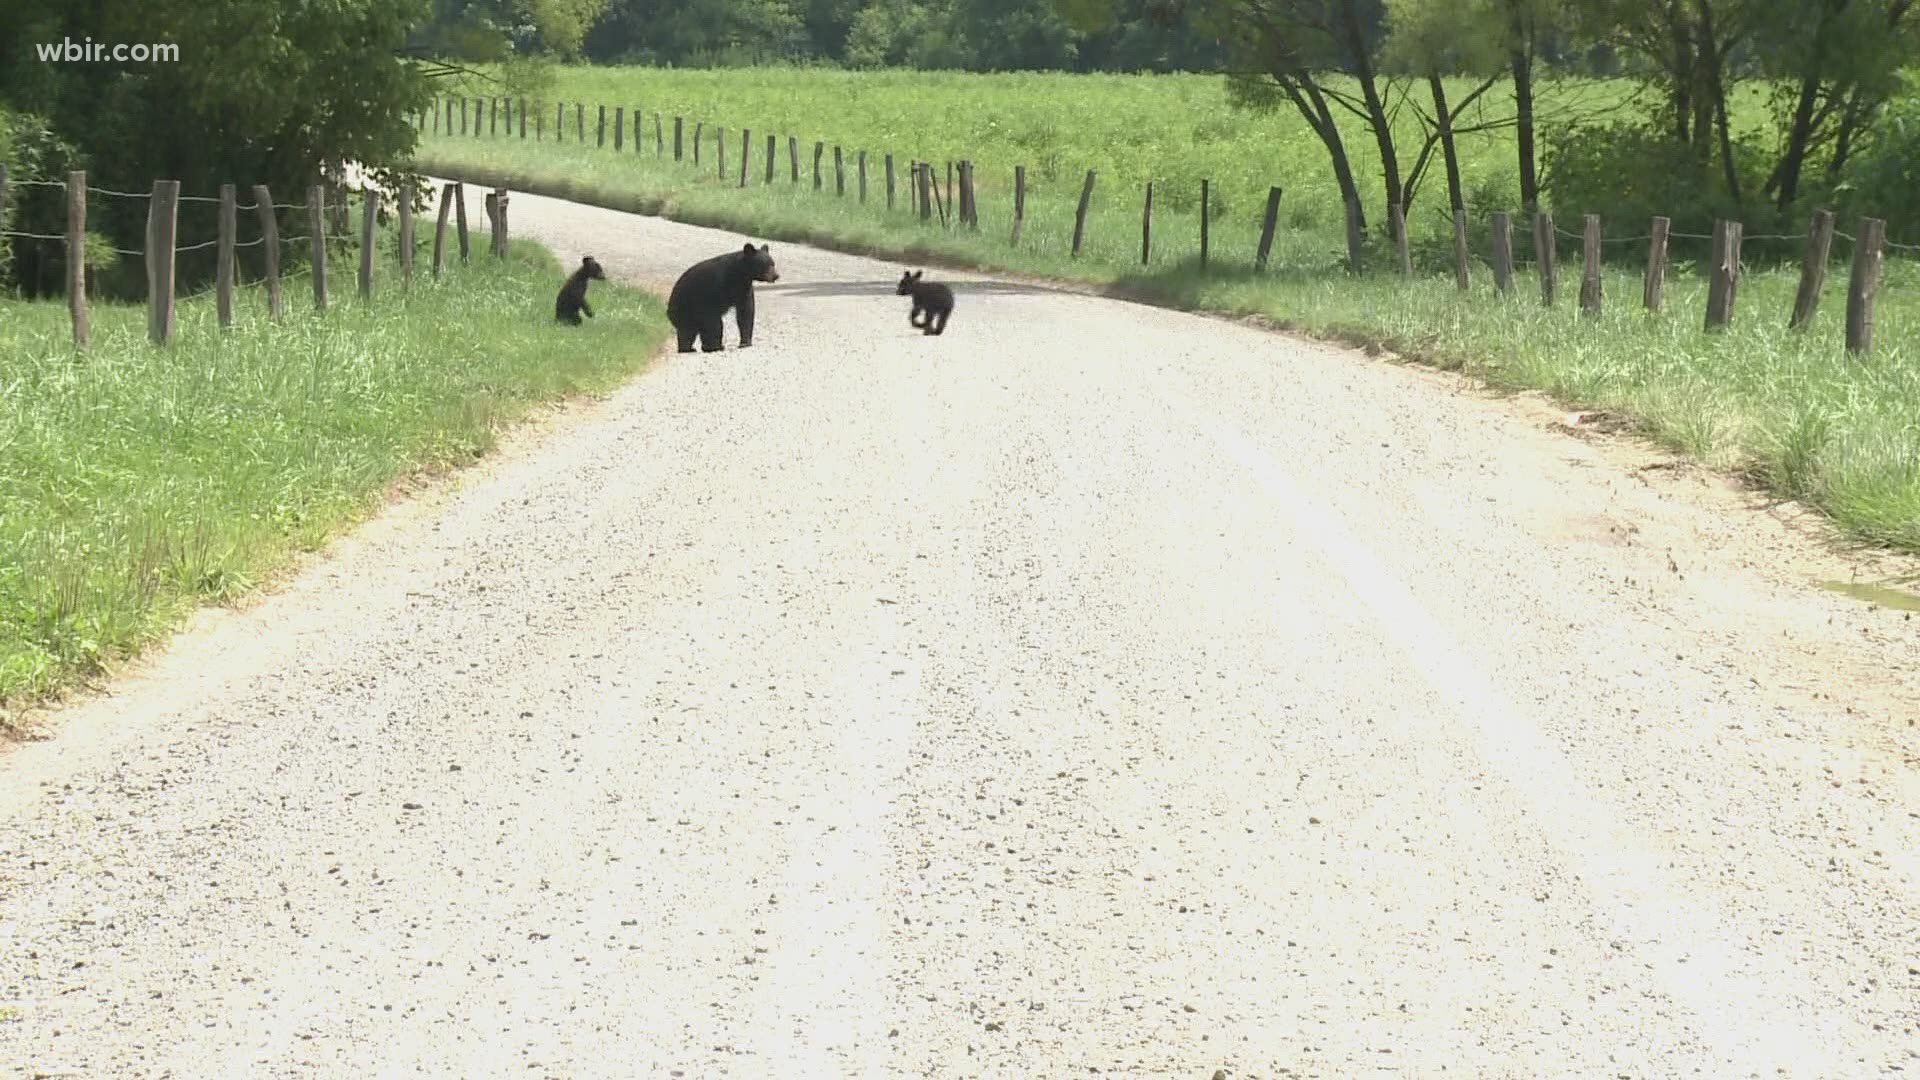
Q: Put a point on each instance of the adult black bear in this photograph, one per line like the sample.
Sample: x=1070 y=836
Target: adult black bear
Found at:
x=572 y=301
x=929 y=296
x=703 y=294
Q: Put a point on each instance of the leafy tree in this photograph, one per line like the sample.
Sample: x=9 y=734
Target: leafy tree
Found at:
x=680 y=31
x=1432 y=39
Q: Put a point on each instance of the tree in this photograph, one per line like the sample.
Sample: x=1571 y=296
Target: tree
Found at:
x=1436 y=38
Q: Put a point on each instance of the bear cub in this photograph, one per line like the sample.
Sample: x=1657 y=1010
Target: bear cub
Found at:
x=931 y=297
x=572 y=301
x=703 y=295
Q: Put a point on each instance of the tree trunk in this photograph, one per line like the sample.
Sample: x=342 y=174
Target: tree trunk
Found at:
x=1443 y=120
x=1312 y=104
x=1376 y=109
x=1711 y=63
x=1520 y=59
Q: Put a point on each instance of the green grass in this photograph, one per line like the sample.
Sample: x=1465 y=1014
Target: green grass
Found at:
x=136 y=482
x=1791 y=411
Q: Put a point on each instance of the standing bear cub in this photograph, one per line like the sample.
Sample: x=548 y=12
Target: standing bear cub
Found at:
x=931 y=297
x=572 y=302
x=703 y=294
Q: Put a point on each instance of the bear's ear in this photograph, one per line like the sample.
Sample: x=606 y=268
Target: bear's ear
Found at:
x=748 y=249
x=588 y=261
x=763 y=247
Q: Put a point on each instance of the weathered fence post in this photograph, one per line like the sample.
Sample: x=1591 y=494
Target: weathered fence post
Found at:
x=1651 y=292
x=746 y=147
x=223 y=267
x=720 y=150
x=440 y=229
x=773 y=154
x=922 y=181
x=490 y=202
x=1544 y=251
x=500 y=200
x=619 y=126
x=449 y=108
x=493 y=118
x=1724 y=275
x=317 y=220
x=1813 y=270
x=1206 y=207
x=479 y=130
x=1502 y=252
x=793 y=156
x=1402 y=247
x=463 y=114
x=1353 y=237
x=1267 y=225
x=559 y=122
x=947 y=208
x=77 y=256
x=460 y=218
x=1019 y=203
x=676 y=138
x=162 y=221
x=270 y=246
x=1864 y=281
x=944 y=206
x=818 y=149
x=579 y=122
x=523 y=119
x=699 y=136
x=860 y=162
x=659 y=137
x=969 y=210
x=1462 y=252
x=1146 y=227
x=1590 y=264
x=406 y=229
x=600 y=128
x=369 y=214
x=1080 y=214
x=839 y=175
x=889 y=181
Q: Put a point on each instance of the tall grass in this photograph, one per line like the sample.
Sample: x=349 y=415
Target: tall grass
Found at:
x=1791 y=411
x=137 y=482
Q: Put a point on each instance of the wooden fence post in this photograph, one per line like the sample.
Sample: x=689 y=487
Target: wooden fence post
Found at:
x=1502 y=252
x=1544 y=251
x=699 y=136
x=490 y=202
x=1403 y=248
x=677 y=122
x=967 y=198
x=818 y=149
x=922 y=180
x=223 y=267
x=1724 y=275
x=559 y=122
x=720 y=150
x=500 y=211
x=659 y=137
x=1656 y=280
x=440 y=229
x=1206 y=207
x=1080 y=214
x=478 y=130
x=944 y=206
x=860 y=161
x=1462 y=252
x=1353 y=237
x=839 y=175
x=369 y=214
x=406 y=228
x=600 y=128
x=435 y=109
x=745 y=148
x=77 y=256
x=162 y=222
x=889 y=181
x=1813 y=270
x=449 y=107
x=270 y=245
x=793 y=156
x=460 y=218
x=579 y=122
x=317 y=220
x=773 y=153
x=463 y=114
x=1590 y=264
x=1267 y=224
x=523 y=119
x=1864 y=281
x=1019 y=203
x=619 y=126
x=493 y=118
x=1146 y=227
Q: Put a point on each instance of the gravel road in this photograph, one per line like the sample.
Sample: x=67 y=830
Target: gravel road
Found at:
x=1092 y=690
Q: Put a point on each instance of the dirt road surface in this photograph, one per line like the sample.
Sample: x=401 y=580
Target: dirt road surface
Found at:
x=1093 y=690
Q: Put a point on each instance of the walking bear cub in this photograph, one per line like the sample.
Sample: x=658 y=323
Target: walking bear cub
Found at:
x=703 y=294
x=572 y=302
x=931 y=297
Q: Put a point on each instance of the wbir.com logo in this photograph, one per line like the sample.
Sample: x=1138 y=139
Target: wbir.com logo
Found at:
x=89 y=51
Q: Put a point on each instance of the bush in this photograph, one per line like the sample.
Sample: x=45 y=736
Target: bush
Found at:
x=1883 y=180
x=1629 y=173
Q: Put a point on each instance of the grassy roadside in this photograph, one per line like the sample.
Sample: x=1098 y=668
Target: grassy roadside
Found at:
x=1790 y=411
x=137 y=483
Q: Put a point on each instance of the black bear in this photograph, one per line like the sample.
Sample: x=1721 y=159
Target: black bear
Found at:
x=704 y=293
x=572 y=301
x=929 y=296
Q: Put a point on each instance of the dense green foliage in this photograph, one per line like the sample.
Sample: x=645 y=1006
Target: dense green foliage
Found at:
x=140 y=481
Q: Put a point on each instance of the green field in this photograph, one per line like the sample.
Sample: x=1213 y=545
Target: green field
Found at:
x=137 y=482
x=1792 y=411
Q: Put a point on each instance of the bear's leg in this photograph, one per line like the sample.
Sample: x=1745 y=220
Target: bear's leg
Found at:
x=686 y=333
x=743 y=315
x=942 y=328
x=913 y=317
x=712 y=334
x=587 y=311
